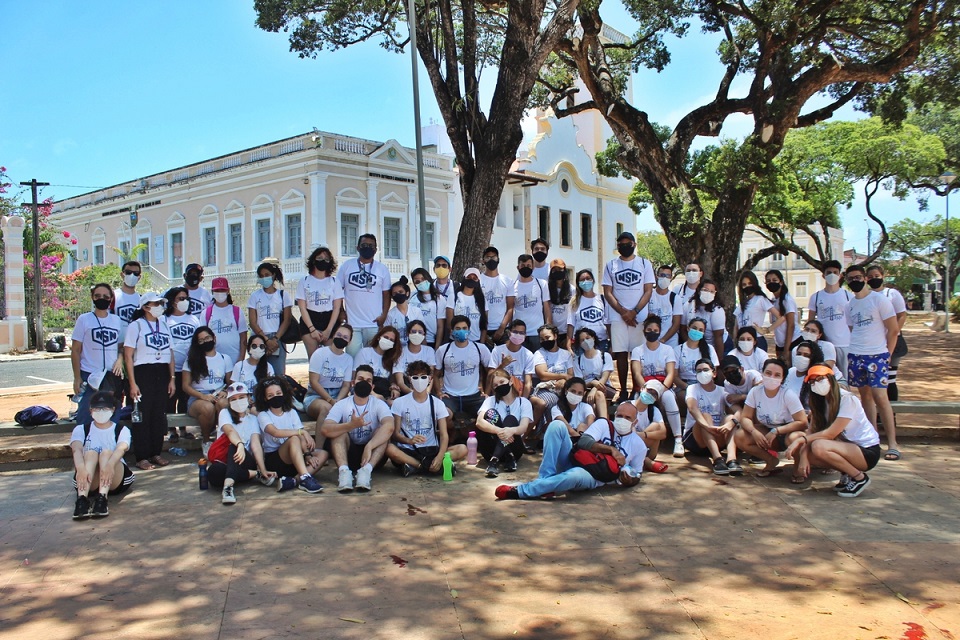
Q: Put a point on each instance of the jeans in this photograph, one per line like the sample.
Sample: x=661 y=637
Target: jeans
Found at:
x=361 y=339
x=279 y=361
x=557 y=474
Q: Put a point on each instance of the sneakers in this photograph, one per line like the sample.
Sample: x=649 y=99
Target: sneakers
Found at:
x=408 y=470
x=363 y=478
x=82 y=508
x=854 y=487
x=734 y=468
x=227 y=497
x=720 y=468
x=506 y=492
x=265 y=481
x=492 y=469
x=205 y=447
x=100 y=508
x=309 y=484
x=678 y=451
x=346 y=481
x=286 y=483
x=509 y=463
x=844 y=479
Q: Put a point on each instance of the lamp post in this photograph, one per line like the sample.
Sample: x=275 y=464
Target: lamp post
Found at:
x=948 y=177
x=421 y=197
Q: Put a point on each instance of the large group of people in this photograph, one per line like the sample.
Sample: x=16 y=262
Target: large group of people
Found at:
x=406 y=370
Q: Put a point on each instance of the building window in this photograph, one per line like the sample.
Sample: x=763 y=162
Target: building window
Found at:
x=176 y=254
x=263 y=239
x=294 y=236
x=143 y=256
x=565 y=231
x=518 y=209
x=619 y=228
x=72 y=261
x=209 y=246
x=124 y=251
x=565 y=185
x=501 y=217
x=778 y=261
x=235 y=231
x=349 y=232
x=98 y=254
x=430 y=246
x=391 y=239
x=543 y=223
x=586 y=232
x=800 y=289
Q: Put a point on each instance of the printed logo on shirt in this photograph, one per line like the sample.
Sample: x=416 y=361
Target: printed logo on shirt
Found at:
x=618 y=444
x=219 y=326
x=591 y=314
x=861 y=320
x=157 y=340
x=526 y=301
x=125 y=312
x=493 y=297
x=320 y=297
x=710 y=408
x=333 y=374
x=363 y=279
x=462 y=368
x=627 y=278
x=196 y=306
x=105 y=336
x=415 y=426
x=829 y=313
x=182 y=331
x=271 y=312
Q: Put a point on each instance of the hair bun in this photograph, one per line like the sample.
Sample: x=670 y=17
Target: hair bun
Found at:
x=403 y=280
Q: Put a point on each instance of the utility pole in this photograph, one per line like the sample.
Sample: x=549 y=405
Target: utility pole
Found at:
x=421 y=197
x=37 y=291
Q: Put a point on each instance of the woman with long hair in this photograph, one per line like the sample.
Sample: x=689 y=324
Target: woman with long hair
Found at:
x=468 y=300
x=502 y=421
x=747 y=349
x=654 y=360
x=432 y=305
x=595 y=368
x=414 y=351
x=182 y=325
x=805 y=355
x=244 y=459
x=706 y=304
x=399 y=315
x=227 y=322
x=255 y=367
x=206 y=375
x=560 y=291
x=786 y=331
x=289 y=451
x=382 y=355
x=572 y=409
x=320 y=298
x=588 y=310
x=331 y=372
x=752 y=306
x=270 y=313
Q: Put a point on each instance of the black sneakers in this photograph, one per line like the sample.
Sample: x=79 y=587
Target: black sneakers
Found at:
x=854 y=487
x=720 y=467
x=100 y=509
x=82 y=508
x=734 y=468
x=492 y=469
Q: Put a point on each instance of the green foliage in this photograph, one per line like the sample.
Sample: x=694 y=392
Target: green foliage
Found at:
x=955 y=308
x=942 y=121
x=654 y=246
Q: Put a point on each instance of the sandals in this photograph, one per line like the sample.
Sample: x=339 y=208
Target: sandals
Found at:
x=160 y=462
x=892 y=454
x=797 y=479
x=659 y=467
x=145 y=465
x=766 y=473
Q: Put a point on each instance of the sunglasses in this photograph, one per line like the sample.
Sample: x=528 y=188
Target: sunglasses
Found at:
x=422 y=377
x=131 y=273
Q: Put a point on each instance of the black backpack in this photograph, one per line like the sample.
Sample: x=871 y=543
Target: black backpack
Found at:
x=35 y=416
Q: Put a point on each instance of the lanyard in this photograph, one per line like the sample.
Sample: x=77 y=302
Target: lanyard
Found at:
x=103 y=347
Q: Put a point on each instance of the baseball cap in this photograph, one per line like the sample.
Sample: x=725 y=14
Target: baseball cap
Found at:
x=220 y=284
x=444 y=258
x=237 y=389
x=193 y=266
x=730 y=361
x=656 y=386
x=472 y=271
x=557 y=262
x=626 y=235
x=151 y=297
x=818 y=370
x=103 y=400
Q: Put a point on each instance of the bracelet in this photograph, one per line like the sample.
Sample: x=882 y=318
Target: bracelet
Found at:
x=312 y=329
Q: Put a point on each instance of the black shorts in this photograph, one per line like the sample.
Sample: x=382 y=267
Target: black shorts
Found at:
x=691 y=445
x=871 y=455
x=319 y=320
x=468 y=405
x=426 y=456
x=355 y=455
x=273 y=462
x=125 y=484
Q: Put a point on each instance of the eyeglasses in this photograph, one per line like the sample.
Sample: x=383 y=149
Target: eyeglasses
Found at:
x=368 y=246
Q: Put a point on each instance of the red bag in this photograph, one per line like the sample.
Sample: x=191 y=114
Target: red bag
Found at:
x=602 y=466
x=219 y=449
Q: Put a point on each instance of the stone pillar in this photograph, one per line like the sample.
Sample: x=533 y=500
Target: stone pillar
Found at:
x=318 y=209
x=373 y=207
x=13 y=328
x=454 y=220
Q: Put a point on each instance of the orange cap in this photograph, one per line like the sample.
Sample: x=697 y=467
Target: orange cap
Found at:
x=817 y=371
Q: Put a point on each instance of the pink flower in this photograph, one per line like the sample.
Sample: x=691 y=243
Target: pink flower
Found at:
x=66 y=234
x=73 y=241
x=3 y=169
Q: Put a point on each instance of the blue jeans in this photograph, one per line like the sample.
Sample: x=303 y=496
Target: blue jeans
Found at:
x=361 y=339
x=279 y=361
x=83 y=406
x=557 y=474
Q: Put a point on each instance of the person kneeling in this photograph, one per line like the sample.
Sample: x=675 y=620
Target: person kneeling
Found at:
x=98 y=449
x=420 y=431
x=244 y=456
x=558 y=473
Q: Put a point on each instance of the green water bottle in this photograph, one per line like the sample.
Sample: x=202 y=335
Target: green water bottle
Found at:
x=447 y=467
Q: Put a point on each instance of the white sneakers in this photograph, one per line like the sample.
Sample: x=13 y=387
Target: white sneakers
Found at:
x=363 y=478
x=346 y=481
x=678 y=451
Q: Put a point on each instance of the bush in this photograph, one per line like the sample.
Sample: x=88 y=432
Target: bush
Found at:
x=955 y=308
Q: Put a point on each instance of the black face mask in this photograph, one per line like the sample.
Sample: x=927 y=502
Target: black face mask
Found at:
x=362 y=389
x=191 y=280
x=625 y=250
x=875 y=283
x=276 y=402
x=399 y=298
x=323 y=265
x=468 y=286
x=102 y=303
x=340 y=343
x=525 y=272
x=366 y=252
x=540 y=256
x=208 y=346
x=502 y=389
x=651 y=336
x=558 y=276
x=773 y=287
x=751 y=291
x=491 y=265
x=856 y=285
x=733 y=376
x=548 y=344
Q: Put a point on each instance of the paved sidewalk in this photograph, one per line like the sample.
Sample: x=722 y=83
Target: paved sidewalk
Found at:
x=683 y=555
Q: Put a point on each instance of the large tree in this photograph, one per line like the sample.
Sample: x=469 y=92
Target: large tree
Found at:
x=456 y=41
x=785 y=51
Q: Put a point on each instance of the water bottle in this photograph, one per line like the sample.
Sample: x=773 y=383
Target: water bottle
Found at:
x=178 y=451
x=472 y=447
x=202 y=466
x=447 y=467
x=135 y=415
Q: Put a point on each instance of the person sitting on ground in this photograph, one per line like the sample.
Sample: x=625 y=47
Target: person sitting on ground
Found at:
x=414 y=351
x=747 y=350
x=420 y=437
x=710 y=422
x=552 y=367
x=772 y=418
x=95 y=347
x=359 y=429
x=654 y=360
x=289 y=451
x=98 y=447
x=738 y=382
x=840 y=436
x=557 y=472
x=572 y=410
x=331 y=370
x=595 y=367
x=244 y=460
x=650 y=425
x=208 y=373
x=462 y=365
x=502 y=421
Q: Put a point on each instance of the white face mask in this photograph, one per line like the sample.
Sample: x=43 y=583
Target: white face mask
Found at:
x=832 y=278
x=156 y=310
x=420 y=385
x=573 y=399
x=183 y=306
x=770 y=383
x=131 y=280
x=706 y=297
x=220 y=296
x=663 y=282
x=802 y=363
x=704 y=377
x=587 y=344
x=622 y=426
x=386 y=343
x=240 y=405
x=416 y=338
x=693 y=277
x=257 y=352
x=821 y=387
x=746 y=345
x=810 y=336
x=101 y=416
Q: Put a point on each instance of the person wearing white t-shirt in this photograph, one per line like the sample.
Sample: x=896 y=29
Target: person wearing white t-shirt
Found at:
x=415 y=351
x=227 y=321
x=330 y=374
x=200 y=298
x=667 y=306
x=691 y=280
x=747 y=349
x=595 y=367
x=98 y=447
x=784 y=314
x=707 y=306
x=752 y=306
x=255 y=367
x=557 y=472
x=552 y=367
x=627 y=286
x=873 y=338
x=840 y=436
x=688 y=352
x=772 y=418
x=710 y=425
x=813 y=332
x=270 y=313
x=502 y=421
x=654 y=360
x=498 y=296
x=359 y=428
x=650 y=425
x=831 y=307
x=126 y=300
x=432 y=306
x=403 y=312
x=805 y=355
x=366 y=292
x=420 y=436
x=571 y=409
x=95 y=347
x=514 y=358
x=462 y=365
x=382 y=354
x=588 y=311
x=244 y=461
x=875 y=280
x=182 y=325
x=531 y=300
x=738 y=382
x=467 y=300
x=560 y=294
x=289 y=451
x=206 y=374
x=540 y=250
x=319 y=297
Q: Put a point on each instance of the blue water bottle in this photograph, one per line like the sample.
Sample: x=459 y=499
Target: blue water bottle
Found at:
x=202 y=466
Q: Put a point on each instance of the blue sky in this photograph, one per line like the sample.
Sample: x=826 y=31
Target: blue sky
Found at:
x=109 y=91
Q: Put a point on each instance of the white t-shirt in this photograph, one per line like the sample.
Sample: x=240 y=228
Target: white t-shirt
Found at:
x=245 y=372
x=426 y=354
x=151 y=341
x=715 y=320
x=286 y=421
x=363 y=287
x=218 y=366
x=895 y=298
x=398 y=320
x=543 y=271
x=687 y=361
x=528 y=303
x=560 y=312
x=333 y=369
x=559 y=361
x=100 y=338
x=578 y=416
x=833 y=312
x=710 y=403
x=780 y=333
x=460 y=367
x=794 y=382
x=182 y=329
x=464 y=305
x=776 y=411
x=269 y=308
x=124 y=305
x=249 y=425
x=227 y=325
x=644 y=420
x=416 y=419
x=685 y=292
x=868 y=334
x=200 y=299
x=750 y=379
x=522 y=364
x=591 y=369
x=374 y=412
x=859 y=431
x=519 y=408
x=319 y=293
x=753 y=361
x=369 y=355
x=495 y=292
x=755 y=313
x=430 y=312
x=627 y=279
x=654 y=362
x=590 y=313
x=829 y=351
x=666 y=309
x=101 y=440
x=632 y=447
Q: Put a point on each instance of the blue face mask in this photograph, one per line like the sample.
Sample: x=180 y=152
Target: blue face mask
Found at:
x=586 y=285
x=266 y=281
x=646 y=398
x=460 y=335
x=424 y=286
x=695 y=335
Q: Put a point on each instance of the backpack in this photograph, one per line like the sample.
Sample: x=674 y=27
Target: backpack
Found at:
x=602 y=466
x=117 y=428
x=299 y=391
x=208 y=312
x=35 y=416
x=219 y=449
